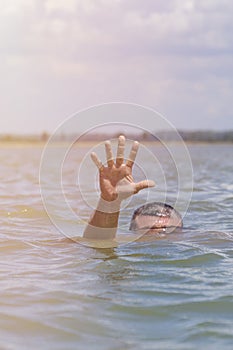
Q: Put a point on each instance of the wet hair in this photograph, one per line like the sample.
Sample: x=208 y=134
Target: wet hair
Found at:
x=157 y=209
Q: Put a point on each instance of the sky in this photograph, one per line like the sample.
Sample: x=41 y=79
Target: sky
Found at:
x=60 y=56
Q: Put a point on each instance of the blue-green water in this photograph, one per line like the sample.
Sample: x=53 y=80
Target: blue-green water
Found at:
x=174 y=292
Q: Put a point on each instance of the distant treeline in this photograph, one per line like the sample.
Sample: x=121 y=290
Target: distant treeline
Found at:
x=187 y=136
x=207 y=136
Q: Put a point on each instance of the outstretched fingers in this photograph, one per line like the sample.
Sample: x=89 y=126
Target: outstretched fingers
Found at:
x=143 y=184
x=133 y=154
x=120 y=154
x=96 y=160
x=109 y=154
x=120 y=151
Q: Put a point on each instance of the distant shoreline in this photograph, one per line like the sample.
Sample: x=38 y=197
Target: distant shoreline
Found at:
x=38 y=144
x=189 y=137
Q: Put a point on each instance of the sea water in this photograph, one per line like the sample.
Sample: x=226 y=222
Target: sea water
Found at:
x=174 y=292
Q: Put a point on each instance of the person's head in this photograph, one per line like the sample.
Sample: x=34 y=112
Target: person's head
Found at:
x=154 y=216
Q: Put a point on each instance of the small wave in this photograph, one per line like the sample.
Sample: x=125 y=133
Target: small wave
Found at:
x=12 y=244
x=26 y=212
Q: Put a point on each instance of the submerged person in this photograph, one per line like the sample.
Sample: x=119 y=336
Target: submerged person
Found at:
x=116 y=184
x=155 y=216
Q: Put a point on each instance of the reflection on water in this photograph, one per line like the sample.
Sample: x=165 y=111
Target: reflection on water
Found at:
x=170 y=293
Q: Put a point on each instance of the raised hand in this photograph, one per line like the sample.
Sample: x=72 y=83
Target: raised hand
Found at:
x=116 y=184
x=116 y=180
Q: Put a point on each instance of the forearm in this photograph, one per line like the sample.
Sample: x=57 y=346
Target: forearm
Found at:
x=104 y=221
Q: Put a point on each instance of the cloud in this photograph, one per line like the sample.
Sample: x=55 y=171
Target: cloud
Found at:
x=175 y=56
x=60 y=5
x=122 y=28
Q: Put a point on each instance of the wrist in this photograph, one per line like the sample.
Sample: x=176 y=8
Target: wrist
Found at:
x=105 y=206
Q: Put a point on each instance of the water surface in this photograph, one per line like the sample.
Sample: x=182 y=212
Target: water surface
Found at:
x=174 y=292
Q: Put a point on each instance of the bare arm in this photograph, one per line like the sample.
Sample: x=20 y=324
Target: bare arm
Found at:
x=116 y=184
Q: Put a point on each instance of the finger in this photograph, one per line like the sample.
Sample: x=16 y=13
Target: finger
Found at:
x=96 y=160
x=120 y=151
x=129 y=178
x=133 y=154
x=109 y=154
x=143 y=184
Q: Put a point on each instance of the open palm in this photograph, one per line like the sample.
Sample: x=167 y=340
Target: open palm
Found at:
x=116 y=180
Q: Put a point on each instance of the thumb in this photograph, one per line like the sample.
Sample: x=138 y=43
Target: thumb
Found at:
x=143 y=184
